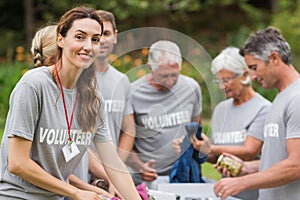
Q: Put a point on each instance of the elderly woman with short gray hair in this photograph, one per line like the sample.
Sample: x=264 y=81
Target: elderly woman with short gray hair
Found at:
x=237 y=122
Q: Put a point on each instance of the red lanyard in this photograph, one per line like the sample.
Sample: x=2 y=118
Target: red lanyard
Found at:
x=65 y=107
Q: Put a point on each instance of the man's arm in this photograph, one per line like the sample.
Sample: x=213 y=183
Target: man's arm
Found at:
x=116 y=170
x=146 y=170
x=127 y=136
x=279 y=174
x=248 y=151
x=97 y=170
x=197 y=118
x=77 y=182
x=283 y=172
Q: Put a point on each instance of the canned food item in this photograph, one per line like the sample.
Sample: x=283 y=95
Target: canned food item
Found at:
x=233 y=166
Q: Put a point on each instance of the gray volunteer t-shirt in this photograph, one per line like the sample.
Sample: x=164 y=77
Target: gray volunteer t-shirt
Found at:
x=231 y=124
x=115 y=89
x=160 y=117
x=37 y=114
x=282 y=123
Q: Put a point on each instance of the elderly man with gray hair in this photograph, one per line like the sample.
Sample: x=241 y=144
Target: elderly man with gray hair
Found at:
x=237 y=122
x=163 y=102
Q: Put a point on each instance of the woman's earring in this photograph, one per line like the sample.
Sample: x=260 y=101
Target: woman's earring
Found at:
x=247 y=81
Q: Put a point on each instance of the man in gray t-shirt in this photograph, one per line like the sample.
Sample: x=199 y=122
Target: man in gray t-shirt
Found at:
x=114 y=86
x=163 y=102
x=277 y=176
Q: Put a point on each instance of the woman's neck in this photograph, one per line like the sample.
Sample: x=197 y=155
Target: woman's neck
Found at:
x=68 y=76
x=247 y=94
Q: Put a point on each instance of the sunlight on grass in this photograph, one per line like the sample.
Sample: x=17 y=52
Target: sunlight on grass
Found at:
x=1 y=133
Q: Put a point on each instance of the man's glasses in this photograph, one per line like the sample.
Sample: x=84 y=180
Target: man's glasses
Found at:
x=225 y=80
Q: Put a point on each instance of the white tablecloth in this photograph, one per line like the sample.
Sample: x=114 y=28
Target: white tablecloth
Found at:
x=198 y=191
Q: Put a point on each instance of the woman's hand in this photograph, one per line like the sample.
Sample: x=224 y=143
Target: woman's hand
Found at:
x=204 y=145
x=248 y=166
x=87 y=195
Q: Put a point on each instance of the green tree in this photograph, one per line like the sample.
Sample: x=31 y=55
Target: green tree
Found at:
x=287 y=20
x=19 y=20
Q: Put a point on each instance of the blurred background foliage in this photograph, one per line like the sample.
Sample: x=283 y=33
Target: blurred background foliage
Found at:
x=212 y=23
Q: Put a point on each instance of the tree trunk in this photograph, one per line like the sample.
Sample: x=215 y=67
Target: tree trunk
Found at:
x=28 y=12
x=274 y=6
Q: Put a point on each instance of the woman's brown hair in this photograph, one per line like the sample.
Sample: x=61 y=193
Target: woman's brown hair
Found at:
x=88 y=100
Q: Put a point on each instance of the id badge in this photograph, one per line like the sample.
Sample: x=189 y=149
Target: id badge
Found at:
x=70 y=151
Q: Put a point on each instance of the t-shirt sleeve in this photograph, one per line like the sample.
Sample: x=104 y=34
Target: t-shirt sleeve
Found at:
x=293 y=118
x=103 y=132
x=256 y=128
x=128 y=106
x=198 y=100
x=23 y=113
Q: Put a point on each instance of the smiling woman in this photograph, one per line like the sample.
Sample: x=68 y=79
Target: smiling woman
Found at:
x=55 y=115
x=84 y=43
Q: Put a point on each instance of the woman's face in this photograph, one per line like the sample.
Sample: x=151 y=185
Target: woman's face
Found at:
x=230 y=83
x=81 y=44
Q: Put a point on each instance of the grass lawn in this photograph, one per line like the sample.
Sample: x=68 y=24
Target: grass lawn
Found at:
x=210 y=172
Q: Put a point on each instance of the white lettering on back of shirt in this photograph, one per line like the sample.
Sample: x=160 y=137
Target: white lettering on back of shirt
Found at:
x=114 y=105
x=271 y=130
